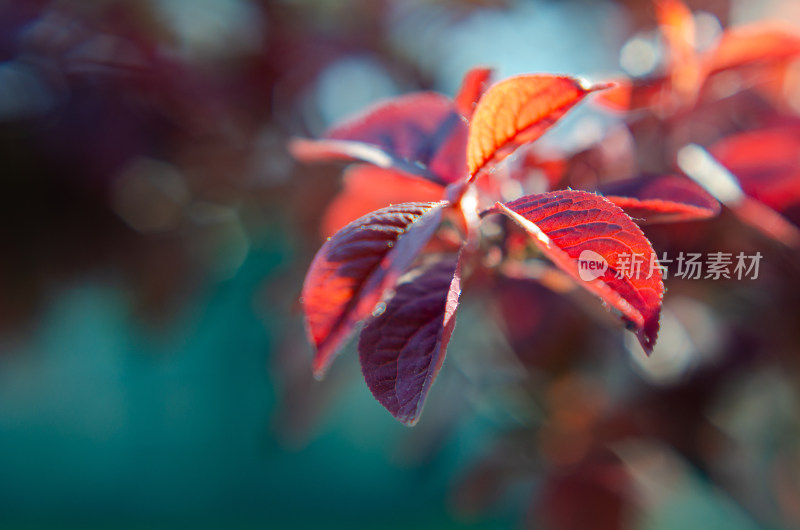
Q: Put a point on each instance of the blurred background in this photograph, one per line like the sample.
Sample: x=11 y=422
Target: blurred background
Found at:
x=154 y=236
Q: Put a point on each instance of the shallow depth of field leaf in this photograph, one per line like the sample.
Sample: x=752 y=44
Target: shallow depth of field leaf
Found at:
x=402 y=349
x=677 y=25
x=472 y=88
x=766 y=163
x=416 y=133
x=600 y=485
x=353 y=269
x=368 y=188
x=755 y=43
x=662 y=199
x=635 y=95
x=516 y=111
x=563 y=224
x=719 y=181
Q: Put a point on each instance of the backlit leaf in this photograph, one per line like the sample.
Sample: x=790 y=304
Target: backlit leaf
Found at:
x=516 y=111
x=677 y=25
x=576 y=228
x=402 y=349
x=352 y=271
x=718 y=180
x=766 y=162
x=661 y=199
x=755 y=43
x=475 y=82
x=368 y=188
x=414 y=133
x=629 y=95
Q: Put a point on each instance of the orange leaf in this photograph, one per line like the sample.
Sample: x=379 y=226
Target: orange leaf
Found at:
x=619 y=97
x=755 y=43
x=629 y=95
x=516 y=111
x=677 y=25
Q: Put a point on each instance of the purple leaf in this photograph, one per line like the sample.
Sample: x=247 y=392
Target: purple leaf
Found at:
x=402 y=349
x=422 y=134
x=661 y=199
x=354 y=268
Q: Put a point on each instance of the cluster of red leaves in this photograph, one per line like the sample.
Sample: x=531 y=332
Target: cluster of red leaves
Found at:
x=711 y=130
x=753 y=172
x=725 y=117
x=400 y=268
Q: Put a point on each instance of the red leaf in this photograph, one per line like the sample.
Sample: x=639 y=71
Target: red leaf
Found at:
x=367 y=188
x=756 y=43
x=766 y=163
x=406 y=133
x=402 y=349
x=718 y=180
x=619 y=97
x=635 y=95
x=472 y=88
x=565 y=224
x=327 y=150
x=759 y=149
x=354 y=268
x=516 y=111
x=662 y=199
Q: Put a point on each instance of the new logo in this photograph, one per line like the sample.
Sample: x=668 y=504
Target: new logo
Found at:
x=591 y=265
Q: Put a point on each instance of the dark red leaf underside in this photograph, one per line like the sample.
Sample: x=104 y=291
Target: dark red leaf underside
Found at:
x=517 y=111
x=662 y=199
x=566 y=223
x=414 y=133
x=402 y=349
x=352 y=271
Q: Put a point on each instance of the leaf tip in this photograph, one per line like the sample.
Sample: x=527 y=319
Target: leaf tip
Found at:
x=409 y=421
x=588 y=86
x=597 y=87
x=298 y=147
x=319 y=369
x=647 y=334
